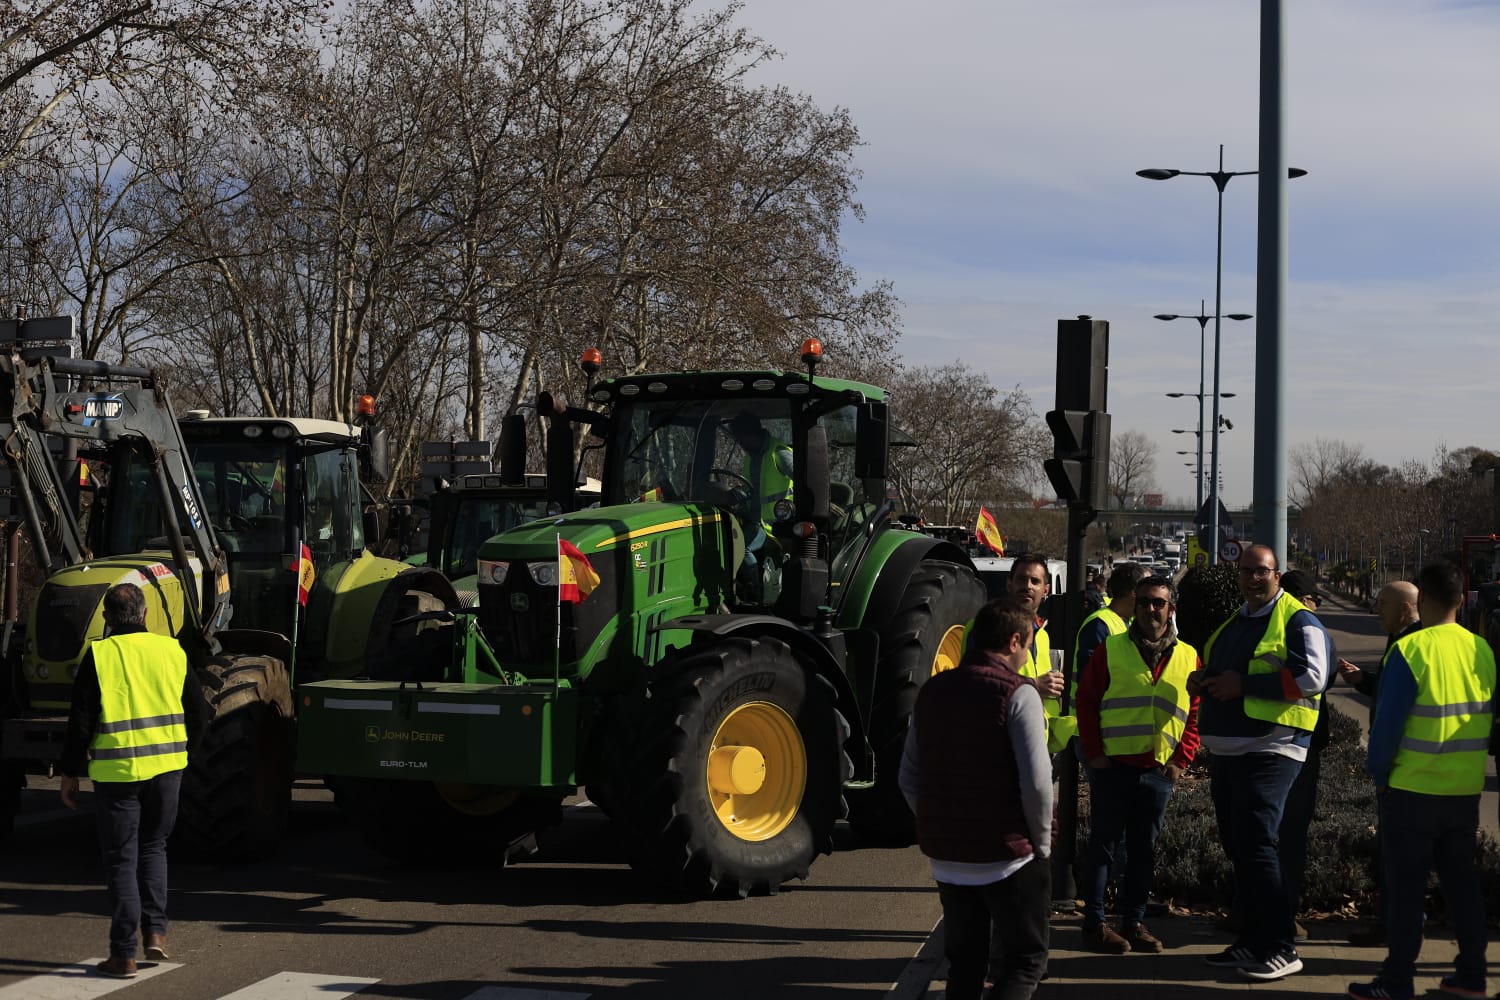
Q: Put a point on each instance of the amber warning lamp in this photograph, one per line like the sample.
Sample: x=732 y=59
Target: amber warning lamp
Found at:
x=366 y=406
x=591 y=361
x=812 y=353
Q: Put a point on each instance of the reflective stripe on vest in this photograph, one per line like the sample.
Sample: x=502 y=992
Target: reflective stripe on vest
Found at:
x=1447 y=735
x=1137 y=715
x=1269 y=658
x=142 y=731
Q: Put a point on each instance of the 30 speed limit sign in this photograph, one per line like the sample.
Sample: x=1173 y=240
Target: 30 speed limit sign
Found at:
x=1230 y=550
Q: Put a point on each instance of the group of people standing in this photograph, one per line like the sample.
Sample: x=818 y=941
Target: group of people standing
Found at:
x=978 y=769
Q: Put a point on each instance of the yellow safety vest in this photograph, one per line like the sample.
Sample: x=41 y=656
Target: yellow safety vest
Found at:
x=1269 y=658
x=1112 y=621
x=1060 y=728
x=142 y=731
x=1447 y=734
x=1138 y=715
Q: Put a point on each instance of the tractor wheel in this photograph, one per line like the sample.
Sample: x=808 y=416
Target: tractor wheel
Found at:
x=418 y=651
x=444 y=823
x=238 y=784
x=925 y=637
x=12 y=780
x=740 y=779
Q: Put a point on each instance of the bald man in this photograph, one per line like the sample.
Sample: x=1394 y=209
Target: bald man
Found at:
x=1396 y=607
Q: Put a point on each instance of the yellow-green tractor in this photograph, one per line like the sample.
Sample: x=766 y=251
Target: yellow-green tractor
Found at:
x=248 y=537
x=724 y=652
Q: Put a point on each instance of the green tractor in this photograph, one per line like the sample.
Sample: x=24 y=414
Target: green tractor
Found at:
x=256 y=523
x=724 y=652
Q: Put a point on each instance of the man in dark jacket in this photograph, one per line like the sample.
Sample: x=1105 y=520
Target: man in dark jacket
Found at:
x=977 y=774
x=137 y=706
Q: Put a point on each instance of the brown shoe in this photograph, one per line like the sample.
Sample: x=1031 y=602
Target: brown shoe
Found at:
x=1104 y=939
x=1141 y=939
x=117 y=967
x=156 y=947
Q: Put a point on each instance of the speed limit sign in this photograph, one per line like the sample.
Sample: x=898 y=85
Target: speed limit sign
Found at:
x=1230 y=550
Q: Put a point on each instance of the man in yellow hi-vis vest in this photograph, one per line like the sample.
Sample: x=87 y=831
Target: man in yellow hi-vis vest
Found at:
x=136 y=708
x=768 y=470
x=1030 y=583
x=1138 y=728
x=1264 y=671
x=1427 y=750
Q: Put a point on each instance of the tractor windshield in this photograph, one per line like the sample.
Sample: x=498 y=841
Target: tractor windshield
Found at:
x=704 y=449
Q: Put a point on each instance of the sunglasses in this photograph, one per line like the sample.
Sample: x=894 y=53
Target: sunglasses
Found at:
x=1154 y=603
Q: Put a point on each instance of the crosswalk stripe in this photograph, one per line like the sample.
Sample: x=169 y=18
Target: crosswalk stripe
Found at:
x=78 y=981
x=301 y=986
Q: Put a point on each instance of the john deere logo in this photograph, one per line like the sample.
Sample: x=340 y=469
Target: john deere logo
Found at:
x=372 y=734
x=518 y=602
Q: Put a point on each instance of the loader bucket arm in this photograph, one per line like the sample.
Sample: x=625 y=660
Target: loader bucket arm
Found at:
x=128 y=408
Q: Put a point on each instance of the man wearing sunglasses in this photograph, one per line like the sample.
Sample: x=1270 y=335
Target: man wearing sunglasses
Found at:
x=1138 y=726
x=1264 y=671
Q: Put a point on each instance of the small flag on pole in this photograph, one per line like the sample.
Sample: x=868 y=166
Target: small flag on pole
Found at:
x=576 y=578
x=303 y=567
x=988 y=533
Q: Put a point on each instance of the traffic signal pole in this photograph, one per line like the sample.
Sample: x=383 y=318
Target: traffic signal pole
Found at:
x=1079 y=470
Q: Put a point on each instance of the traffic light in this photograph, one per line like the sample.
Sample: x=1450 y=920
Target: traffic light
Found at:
x=1079 y=466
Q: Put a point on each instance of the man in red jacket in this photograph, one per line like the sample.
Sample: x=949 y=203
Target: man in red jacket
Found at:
x=977 y=774
x=1138 y=727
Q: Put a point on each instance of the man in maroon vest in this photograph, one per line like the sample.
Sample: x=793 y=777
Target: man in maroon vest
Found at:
x=977 y=774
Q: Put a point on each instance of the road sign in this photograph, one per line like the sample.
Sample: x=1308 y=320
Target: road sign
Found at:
x=1229 y=551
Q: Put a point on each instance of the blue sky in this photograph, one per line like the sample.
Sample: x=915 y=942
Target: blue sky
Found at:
x=1001 y=144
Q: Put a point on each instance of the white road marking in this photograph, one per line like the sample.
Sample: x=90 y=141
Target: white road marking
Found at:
x=301 y=986
x=74 y=982
x=922 y=969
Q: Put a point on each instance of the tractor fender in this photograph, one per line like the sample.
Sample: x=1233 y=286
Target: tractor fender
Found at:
x=805 y=646
x=878 y=584
x=366 y=602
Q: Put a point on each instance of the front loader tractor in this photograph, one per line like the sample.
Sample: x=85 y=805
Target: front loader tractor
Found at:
x=725 y=652
x=254 y=523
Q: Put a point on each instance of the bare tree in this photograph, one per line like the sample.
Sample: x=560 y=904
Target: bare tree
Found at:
x=1132 y=466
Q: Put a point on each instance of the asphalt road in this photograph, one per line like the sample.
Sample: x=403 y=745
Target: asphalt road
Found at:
x=329 y=918
x=571 y=921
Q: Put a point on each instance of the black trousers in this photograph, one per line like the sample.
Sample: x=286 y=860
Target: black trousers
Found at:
x=1019 y=908
x=135 y=818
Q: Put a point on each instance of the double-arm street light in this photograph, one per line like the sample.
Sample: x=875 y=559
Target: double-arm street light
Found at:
x=1199 y=396
x=1220 y=178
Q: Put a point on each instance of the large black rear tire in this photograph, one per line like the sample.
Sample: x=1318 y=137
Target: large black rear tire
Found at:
x=238 y=784
x=924 y=637
x=740 y=780
x=421 y=822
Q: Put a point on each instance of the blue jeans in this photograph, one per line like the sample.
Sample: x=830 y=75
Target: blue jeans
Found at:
x=1422 y=833
x=135 y=818
x=1249 y=794
x=1130 y=801
x=1020 y=910
x=1291 y=845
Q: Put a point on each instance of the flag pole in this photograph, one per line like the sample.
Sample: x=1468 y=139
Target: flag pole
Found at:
x=557 y=645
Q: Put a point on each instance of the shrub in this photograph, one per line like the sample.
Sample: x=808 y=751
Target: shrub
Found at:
x=1206 y=597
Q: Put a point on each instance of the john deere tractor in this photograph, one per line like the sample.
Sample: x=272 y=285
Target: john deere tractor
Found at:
x=250 y=522
x=724 y=653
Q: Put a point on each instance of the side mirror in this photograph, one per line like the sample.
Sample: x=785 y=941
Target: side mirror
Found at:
x=378 y=451
x=872 y=443
x=372 y=527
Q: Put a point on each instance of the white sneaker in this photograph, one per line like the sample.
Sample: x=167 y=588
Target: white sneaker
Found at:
x=1280 y=964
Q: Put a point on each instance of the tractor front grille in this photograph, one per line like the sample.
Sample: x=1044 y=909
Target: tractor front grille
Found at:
x=62 y=620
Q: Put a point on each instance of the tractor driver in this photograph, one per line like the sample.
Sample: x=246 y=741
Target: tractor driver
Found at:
x=768 y=469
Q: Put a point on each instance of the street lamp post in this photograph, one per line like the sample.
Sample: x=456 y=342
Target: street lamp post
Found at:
x=1202 y=319
x=1199 y=395
x=1220 y=178
x=1421 y=533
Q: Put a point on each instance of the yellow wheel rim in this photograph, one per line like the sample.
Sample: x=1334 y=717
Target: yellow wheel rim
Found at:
x=757 y=771
x=950 y=650
x=477 y=800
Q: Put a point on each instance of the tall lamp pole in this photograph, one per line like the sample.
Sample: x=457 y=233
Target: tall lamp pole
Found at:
x=1220 y=178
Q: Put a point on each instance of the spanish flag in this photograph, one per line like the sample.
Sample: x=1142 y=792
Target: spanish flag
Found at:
x=988 y=533
x=303 y=567
x=576 y=578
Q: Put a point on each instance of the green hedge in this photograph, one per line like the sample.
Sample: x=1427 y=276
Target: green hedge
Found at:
x=1192 y=871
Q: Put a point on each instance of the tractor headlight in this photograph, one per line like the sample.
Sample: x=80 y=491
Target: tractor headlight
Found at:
x=492 y=572
x=783 y=510
x=42 y=671
x=544 y=573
